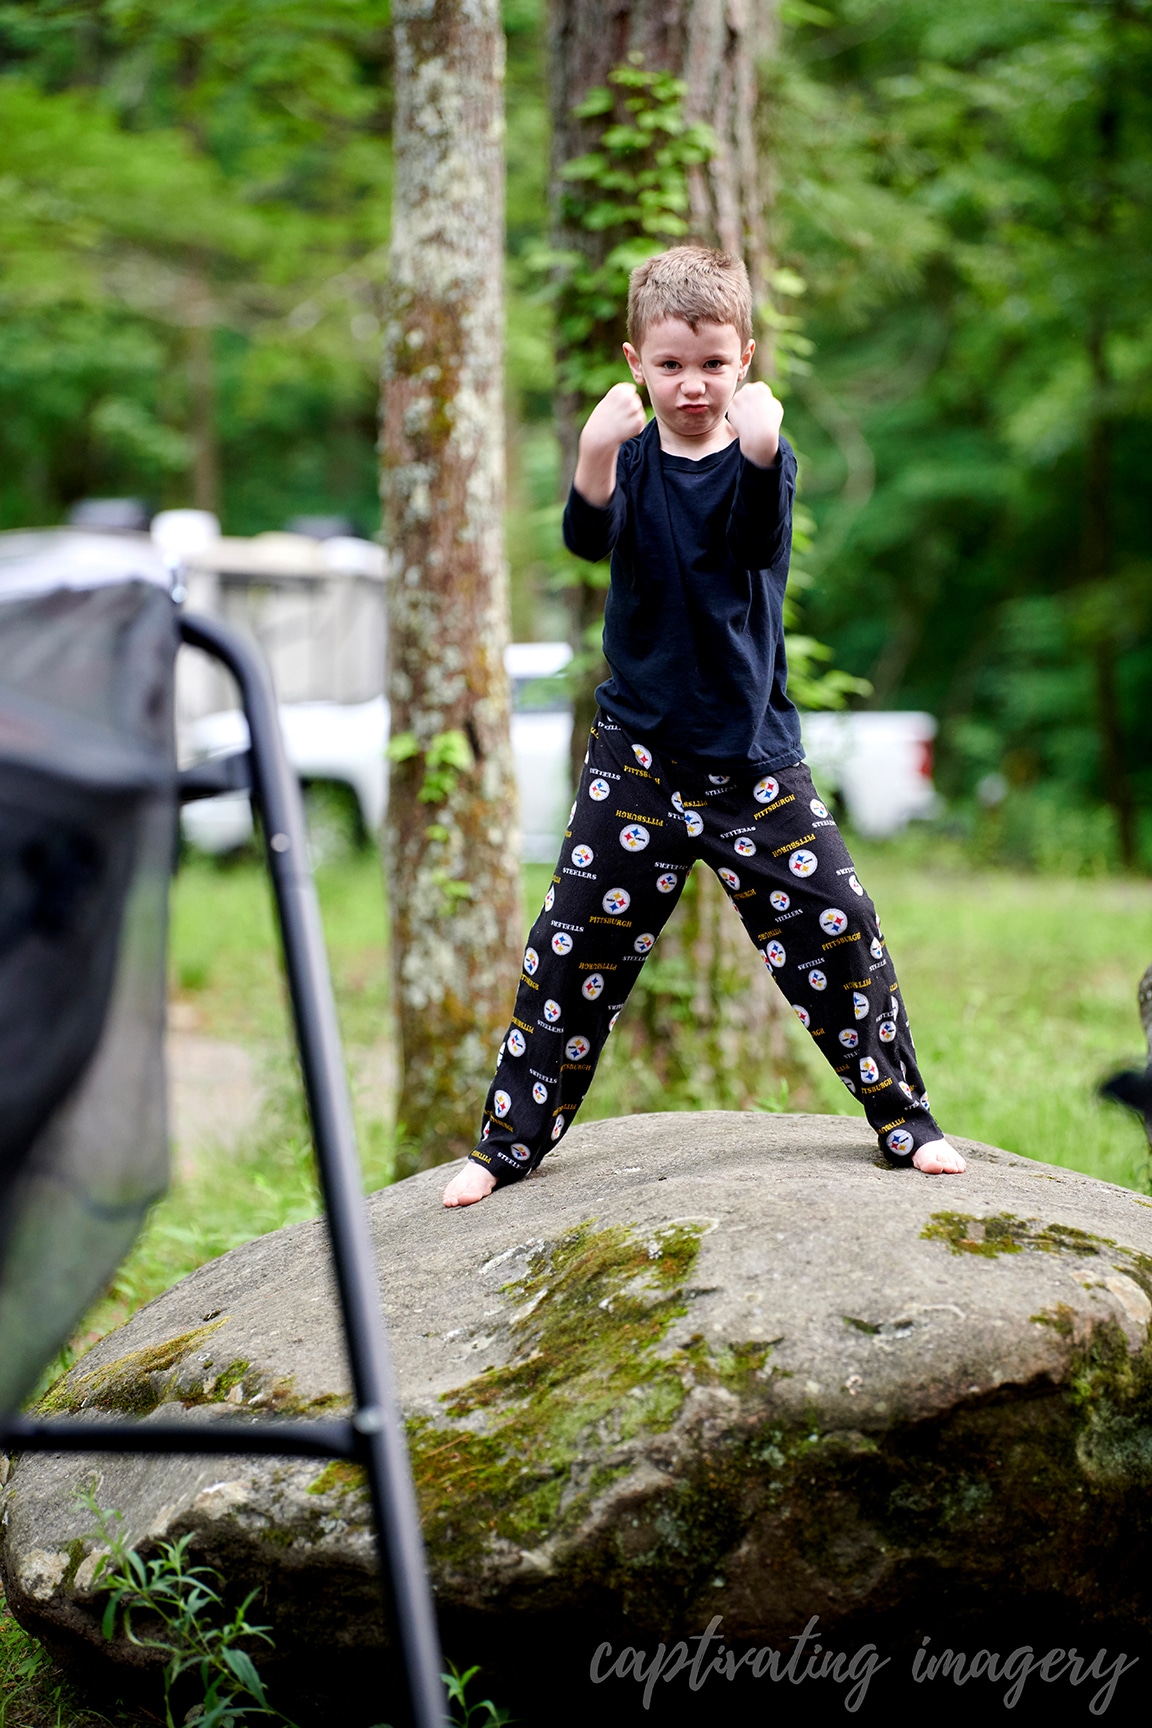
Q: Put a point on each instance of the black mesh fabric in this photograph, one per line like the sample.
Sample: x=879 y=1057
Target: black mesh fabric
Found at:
x=87 y=829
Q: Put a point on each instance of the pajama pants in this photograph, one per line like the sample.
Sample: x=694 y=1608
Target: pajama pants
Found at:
x=639 y=824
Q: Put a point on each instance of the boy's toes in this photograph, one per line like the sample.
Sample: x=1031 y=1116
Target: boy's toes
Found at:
x=469 y=1185
x=938 y=1158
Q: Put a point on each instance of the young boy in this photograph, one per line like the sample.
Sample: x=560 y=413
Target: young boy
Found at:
x=695 y=754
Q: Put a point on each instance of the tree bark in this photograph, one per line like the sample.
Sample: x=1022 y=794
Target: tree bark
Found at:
x=202 y=418
x=706 y=1020
x=1098 y=549
x=451 y=842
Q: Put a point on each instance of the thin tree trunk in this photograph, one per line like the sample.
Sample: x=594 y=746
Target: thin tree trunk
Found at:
x=452 y=843
x=202 y=397
x=706 y=1020
x=1097 y=552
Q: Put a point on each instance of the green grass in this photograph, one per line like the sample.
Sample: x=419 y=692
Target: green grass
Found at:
x=1022 y=996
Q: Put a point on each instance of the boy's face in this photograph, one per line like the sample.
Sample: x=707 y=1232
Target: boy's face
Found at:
x=691 y=375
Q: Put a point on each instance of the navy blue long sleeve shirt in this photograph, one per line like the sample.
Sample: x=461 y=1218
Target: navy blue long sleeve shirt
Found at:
x=693 y=627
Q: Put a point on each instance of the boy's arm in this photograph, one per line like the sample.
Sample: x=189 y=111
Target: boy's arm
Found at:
x=760 y=526
x=593 y=518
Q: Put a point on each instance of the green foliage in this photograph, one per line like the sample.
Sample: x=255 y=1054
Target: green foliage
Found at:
x=632 y=189
x=172 y=170
x=483 y=1714
x=170 y=1607
x=446 y=757
x=966 y=192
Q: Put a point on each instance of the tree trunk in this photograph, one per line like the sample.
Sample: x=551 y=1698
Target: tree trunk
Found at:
x=202 y=419
x=200 y=315
x=1097 y=554
x=706 y=1022
x=451 y=842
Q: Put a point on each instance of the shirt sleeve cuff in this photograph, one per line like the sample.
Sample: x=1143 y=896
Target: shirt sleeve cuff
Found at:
x=588 y=528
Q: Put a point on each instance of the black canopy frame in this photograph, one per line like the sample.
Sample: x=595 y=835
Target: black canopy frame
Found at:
x=374 y=1433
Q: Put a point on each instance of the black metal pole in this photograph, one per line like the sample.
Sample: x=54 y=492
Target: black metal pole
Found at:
x=377 y=1417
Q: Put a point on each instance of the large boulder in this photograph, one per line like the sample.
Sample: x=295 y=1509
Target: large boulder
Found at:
x=700 y=1365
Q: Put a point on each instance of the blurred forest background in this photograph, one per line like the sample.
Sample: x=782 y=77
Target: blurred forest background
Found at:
x=193 y=269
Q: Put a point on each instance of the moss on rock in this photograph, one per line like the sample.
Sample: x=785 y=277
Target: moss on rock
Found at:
x=178 y=1370
x=534 y=1442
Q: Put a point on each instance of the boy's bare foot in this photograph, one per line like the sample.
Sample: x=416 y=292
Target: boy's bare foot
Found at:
x=938 y=1158
x=469 y=1185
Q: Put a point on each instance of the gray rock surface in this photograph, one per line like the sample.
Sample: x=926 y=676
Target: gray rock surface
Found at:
x=717 y=1363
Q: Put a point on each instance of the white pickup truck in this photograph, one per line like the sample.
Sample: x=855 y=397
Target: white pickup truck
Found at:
x=345 y=744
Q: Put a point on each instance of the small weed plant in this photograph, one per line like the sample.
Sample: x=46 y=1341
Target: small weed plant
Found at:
x=485 y=1714
x=168 y=1605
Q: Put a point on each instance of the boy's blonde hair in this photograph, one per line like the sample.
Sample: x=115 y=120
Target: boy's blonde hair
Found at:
x=695 y=283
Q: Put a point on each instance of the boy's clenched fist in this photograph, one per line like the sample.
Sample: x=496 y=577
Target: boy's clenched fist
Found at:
x=754 y=415
x=615 y=418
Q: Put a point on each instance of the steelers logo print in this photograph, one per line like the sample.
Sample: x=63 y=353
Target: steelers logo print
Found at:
x=744 y=847
x=854 y=885
x=851 y=1084
x=678 y=803
x=802 y=863
x=501 y=1103
x=561 y=942
x=614 y=1019
x=802 y=1015
x=557 y=1128
x=540 y=1093
x=516 y=1042
x=719 y=779
x=549 y=899
x=520 y=1152
x=616 y=900
x=779 y=901
x=818 y=807
x=592 y=987
x=900 y=1142
x=869 y=1072
x=774 y=954
x=572 y=812
x=577 y=1048
x=876 y=948
x=582 y=856
x=817 y=979
x=552 y=1011
x=693 y=823
x=666 y=883
x=635 y=837
x=644 y=944
x=531 y=961
x=598 y=790
x=765 y=790
x=887 y=1031
x=644 y=757
x=833 y=921
x=859 y=1005
x=729 y=878
x=849 y=1038
x=906 y=1089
